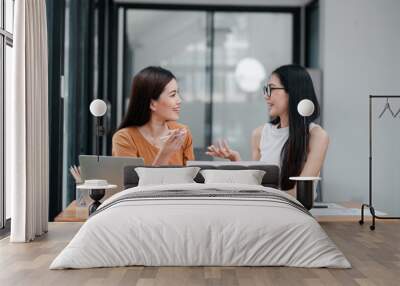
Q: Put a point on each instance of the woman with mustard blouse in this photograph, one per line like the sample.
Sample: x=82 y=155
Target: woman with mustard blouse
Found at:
x=149 y=128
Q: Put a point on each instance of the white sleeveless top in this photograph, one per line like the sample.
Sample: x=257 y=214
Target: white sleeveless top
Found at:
x=272 y=141
x=271 y=144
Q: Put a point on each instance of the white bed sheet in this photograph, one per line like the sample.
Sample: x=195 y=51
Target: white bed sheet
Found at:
x=200 y=231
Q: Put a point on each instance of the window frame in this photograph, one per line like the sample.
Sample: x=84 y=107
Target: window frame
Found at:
x=295 y=11
x=6 y=39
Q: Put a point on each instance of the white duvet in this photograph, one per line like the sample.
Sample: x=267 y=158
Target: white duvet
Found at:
x=200 y=231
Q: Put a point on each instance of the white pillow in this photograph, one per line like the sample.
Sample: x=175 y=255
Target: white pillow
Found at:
x=249 y=177
x=164 y=176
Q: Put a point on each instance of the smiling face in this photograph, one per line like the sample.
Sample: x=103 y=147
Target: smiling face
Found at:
x=278 y=101
x=167 y=106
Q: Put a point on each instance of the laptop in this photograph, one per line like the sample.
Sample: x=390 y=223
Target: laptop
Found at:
x=107 y=168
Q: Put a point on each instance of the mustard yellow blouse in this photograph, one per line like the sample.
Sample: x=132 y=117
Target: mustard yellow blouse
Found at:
x=129 y=141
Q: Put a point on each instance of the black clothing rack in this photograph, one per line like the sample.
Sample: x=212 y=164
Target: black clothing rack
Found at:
x=370 y=204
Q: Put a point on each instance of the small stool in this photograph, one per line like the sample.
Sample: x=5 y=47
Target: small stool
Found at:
x=305 y=190
x=97 y=190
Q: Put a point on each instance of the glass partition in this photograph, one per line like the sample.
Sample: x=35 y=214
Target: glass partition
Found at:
x=220 y=59
x=243 y=59
x=179 y=45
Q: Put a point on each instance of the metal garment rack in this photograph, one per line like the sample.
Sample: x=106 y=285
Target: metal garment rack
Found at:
x=370 y=204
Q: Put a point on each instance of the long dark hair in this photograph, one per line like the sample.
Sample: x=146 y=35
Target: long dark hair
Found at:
x=298 y=84
x=148 y=84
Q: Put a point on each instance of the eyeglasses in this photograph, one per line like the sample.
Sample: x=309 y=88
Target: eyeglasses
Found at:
x=268 y=90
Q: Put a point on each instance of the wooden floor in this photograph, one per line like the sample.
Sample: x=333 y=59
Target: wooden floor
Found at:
x=375 y=256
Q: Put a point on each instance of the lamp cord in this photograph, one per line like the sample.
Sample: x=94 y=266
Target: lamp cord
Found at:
x=97 y=137
x=305 y=140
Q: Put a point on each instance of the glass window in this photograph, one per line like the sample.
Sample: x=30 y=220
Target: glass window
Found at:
x=9 y=15
x=179 y=45
x=8 y=90
x=1 y=13
x=243 y=59
x=2 y=137
x=6 y=65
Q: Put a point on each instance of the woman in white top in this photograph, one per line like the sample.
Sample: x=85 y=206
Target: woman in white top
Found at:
x=281 y=141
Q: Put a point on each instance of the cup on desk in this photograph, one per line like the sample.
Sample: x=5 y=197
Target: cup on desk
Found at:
x=82 y=198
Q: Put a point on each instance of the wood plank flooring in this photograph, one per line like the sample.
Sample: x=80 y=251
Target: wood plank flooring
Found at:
x=375 y=257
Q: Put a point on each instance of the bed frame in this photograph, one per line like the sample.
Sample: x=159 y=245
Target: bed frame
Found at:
x=270 y=179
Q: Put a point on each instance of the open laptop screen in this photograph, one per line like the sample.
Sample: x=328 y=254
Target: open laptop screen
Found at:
x=107 y=168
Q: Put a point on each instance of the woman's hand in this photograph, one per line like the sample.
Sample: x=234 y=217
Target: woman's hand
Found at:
x=222 y=150
x=172 y=143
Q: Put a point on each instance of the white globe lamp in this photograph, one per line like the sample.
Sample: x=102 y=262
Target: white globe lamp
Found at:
x=98 y=108
x=305 y=107
x=249 y=74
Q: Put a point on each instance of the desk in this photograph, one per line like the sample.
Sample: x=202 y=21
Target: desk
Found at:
x=74 y=214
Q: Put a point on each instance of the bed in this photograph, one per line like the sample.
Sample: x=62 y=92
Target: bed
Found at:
x=198 y=224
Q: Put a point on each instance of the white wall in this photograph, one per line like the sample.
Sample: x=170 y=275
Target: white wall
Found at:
x=360 y=55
